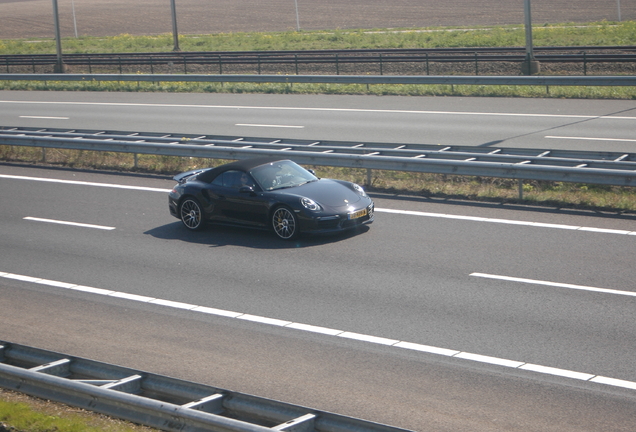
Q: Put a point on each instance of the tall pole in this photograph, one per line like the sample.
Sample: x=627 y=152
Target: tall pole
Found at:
x=59 y=66
x=74 y=20
x=530 y=66
x=297 y=18
x=175 y=33
x=619 y=10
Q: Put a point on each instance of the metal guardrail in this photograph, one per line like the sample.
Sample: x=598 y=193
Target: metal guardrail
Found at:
x=605 y=168
x=159 y=401
x=331 y=58
x=338 y=79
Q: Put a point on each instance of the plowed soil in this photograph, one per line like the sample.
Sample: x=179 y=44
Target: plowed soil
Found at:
x=34 y=18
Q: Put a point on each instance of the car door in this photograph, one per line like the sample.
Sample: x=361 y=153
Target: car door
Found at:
x=238 y=199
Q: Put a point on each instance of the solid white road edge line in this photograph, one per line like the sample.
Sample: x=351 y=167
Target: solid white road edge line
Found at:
x=77 y=224
x=555 y=284
x=338 y=333
x=403 y=212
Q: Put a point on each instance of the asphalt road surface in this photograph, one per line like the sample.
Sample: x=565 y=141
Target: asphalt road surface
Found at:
x=441 y=316
x=482 y=122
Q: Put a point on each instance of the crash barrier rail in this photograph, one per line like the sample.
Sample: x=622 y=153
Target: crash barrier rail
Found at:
x=546 y=81
x=158 y=401
x=332 y=59
x=605 y=168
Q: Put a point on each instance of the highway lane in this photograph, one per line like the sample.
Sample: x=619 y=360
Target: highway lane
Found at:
x=407 y=278
x=484 y=122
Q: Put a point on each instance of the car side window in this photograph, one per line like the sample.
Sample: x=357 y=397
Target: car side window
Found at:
x=233 y=179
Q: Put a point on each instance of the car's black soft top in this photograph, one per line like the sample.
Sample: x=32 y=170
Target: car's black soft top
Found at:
x=241 y=165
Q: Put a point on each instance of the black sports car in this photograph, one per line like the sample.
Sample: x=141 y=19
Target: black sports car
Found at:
x=269 y=193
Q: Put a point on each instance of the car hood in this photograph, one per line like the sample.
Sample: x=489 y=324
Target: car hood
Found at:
x=328 y=193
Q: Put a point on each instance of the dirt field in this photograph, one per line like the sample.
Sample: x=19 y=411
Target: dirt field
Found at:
x=34 y=18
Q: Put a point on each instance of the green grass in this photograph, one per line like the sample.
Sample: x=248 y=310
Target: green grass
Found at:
x=34 y=415
x=598 y=33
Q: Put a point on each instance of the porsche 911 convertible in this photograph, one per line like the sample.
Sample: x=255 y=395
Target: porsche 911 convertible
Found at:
x=266 y=193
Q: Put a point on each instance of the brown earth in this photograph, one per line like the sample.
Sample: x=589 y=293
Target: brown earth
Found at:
x=34 y=18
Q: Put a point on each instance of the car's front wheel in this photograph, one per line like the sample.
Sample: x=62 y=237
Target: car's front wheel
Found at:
x=191 y=214
x=285 y=223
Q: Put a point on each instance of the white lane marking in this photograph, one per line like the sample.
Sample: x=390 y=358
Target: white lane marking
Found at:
x=269 y=126
x=45 y=117
x=77 y=224
x=506 y=221
x=82 y=183
x=283 y=108
x=555 y=284
x=593 y=139
x=403 y=212
x=333 y=332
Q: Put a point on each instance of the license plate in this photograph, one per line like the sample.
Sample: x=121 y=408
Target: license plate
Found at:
x=358 y=214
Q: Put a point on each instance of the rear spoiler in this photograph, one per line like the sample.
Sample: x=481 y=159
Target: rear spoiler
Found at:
x=185 y=175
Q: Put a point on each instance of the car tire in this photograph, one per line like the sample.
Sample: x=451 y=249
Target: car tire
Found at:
x=191 y=214
x=285 y=223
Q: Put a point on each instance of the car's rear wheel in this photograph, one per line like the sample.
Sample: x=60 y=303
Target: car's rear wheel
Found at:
x=191 y=214
x=285 y=223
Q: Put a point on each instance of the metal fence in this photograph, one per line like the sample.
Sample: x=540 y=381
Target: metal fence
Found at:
x=546 y=81
x=159 y=401
x=522 y=164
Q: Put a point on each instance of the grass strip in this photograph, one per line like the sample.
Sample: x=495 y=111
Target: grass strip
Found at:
x=21 y=413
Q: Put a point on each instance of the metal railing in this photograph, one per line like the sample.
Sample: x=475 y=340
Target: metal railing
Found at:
x=545 y=81
x=606 y=168
x=159 y=401
x=332 y=60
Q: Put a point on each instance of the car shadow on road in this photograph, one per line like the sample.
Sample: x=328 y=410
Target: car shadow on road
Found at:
x=219 y=235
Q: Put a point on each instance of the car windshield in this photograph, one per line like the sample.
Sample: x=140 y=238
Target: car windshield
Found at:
x=281 y=174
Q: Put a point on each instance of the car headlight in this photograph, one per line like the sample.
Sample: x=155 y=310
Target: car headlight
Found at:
x=359 y=189
x=309 y=204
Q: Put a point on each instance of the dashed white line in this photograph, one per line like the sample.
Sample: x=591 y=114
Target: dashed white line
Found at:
x=513 y=364
x=555 y=284
x=284 y=108
x=269 y=126
x=592 y=138
x=45 y=117
x=77 y=224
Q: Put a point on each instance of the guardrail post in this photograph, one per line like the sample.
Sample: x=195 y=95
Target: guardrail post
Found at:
x=476 y=65
x=220 y=66
x=520 y=189
x=428 y=72
x=584 y=63
x=296 y=60
x=337 y=65
x=369 y=177
x=90 y=66
x=381 y=65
